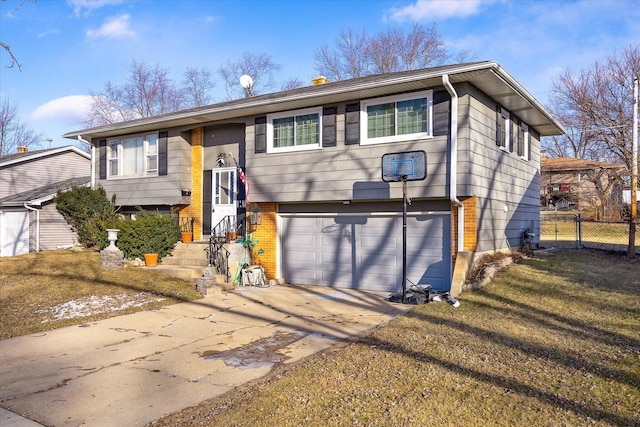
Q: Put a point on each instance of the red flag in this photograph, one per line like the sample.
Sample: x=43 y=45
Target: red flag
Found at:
x=244 y=180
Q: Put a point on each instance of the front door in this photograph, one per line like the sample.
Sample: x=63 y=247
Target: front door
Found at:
x=224 y=195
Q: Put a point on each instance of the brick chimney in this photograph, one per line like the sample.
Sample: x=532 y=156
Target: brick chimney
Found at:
x=22 y=149
x=319 y=80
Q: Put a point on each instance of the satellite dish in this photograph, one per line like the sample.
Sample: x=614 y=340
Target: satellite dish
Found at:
x=246 y=81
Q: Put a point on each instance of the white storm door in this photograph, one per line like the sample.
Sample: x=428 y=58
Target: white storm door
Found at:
x=225 y=194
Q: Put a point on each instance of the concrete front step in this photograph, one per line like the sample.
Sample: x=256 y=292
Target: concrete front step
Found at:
x=185 y=272
x=188 y=254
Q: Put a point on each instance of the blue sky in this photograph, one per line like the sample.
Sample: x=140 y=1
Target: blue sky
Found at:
x=69 y=49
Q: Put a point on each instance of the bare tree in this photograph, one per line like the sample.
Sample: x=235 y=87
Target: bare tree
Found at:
x=198 y=84
x=13 y=60
x=348 y=59
x=595 y=105
x=603 y=179
x=259 y=66
x=13 y=132
x=292 y=84
x=357 y=54
x=147 y=92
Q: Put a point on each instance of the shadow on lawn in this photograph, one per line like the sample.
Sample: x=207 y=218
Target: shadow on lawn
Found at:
x=580 y=408
x=592 y=268
x=547 y=353
x=89 y=270
x=555 y=322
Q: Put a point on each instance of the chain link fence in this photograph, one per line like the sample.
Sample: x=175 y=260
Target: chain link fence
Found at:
x=568 y=230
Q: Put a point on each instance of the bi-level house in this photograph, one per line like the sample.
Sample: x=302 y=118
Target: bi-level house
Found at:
x=313 y=159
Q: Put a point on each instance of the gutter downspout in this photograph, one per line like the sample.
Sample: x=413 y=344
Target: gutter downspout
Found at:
x=93 y=156
x=453 y=182
x=37 y=211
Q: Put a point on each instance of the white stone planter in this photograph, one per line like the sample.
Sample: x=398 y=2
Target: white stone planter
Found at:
x=112 y=236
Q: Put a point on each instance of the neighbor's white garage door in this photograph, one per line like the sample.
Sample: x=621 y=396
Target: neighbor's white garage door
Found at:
x=365 y=252
x=14 y=233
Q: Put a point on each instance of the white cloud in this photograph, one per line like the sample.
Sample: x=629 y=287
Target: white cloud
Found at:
x=115 y=27
x=436 y=9
x=85 y=7
x=48 y=33
x=68 y=109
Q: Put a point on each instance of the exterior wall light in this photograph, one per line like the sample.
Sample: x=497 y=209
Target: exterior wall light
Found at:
x=255 y=216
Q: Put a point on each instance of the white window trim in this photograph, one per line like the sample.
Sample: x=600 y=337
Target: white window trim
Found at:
x=364 y=140
x=121 y=157
x=526 y=142
x=506 y=128
x=293 y=113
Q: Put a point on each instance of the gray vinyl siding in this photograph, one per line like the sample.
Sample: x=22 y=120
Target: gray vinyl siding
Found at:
x=19 y=177
x=500 y=179
x=155 y=190
x=54 y=230
x=341 y=172
x=224 y=138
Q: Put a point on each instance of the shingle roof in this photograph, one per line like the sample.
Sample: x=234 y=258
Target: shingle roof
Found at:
x=573 y=164
x=30 y=155
x=43 y=193
x=488 y=76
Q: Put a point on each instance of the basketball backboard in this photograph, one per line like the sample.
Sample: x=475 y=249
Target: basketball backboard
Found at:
x=410 y=165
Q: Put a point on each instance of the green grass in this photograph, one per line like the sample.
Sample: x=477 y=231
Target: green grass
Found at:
x=594 y=234
x=552 y=341
x=32 y=284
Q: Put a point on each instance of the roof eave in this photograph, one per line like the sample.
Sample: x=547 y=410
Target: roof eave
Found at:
x=370 y=86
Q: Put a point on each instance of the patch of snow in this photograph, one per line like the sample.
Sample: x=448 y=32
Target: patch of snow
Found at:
x=91 y=305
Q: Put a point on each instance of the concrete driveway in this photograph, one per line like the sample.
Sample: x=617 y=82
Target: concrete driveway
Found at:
x=130 y=370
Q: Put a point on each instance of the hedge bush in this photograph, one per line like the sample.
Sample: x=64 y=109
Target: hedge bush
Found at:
x=90 y=213
x=148 y=233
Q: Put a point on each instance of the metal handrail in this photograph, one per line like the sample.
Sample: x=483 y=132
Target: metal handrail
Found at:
x=218 y=255
x=230 y=224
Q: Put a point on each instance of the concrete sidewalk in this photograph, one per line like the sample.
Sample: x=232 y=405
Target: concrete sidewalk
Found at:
x=130 y=370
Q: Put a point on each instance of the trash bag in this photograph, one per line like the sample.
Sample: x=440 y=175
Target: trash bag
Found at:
x=415 y=294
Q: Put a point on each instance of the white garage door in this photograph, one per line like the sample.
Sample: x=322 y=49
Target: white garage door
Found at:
x=14 y=233
x=365 y=252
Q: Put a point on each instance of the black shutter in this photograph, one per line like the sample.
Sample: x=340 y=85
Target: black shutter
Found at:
x=329 y=126
x=352 y=124
x=207 y=176
x=520 y=131
x=102 y=149
x=499 y=126
x=528 y=136
x=163 y=138
x=261 y=135
x=512 y=133
x=441 y=112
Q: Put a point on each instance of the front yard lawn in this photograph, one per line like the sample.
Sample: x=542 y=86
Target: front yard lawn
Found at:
x=52 y=289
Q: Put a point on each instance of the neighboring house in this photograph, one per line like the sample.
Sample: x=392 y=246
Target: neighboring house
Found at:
x=29 y=221
x=583 y=185
x=313 y=159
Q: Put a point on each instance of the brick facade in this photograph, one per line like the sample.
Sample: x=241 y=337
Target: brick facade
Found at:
x=470 y=225
x=267 y=235
x=194 y=210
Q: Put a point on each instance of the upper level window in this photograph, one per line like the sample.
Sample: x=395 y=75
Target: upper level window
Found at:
x=133 y=156
x=397 y=118
x=294 y=130
x=523 y=141
x=504 y=126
